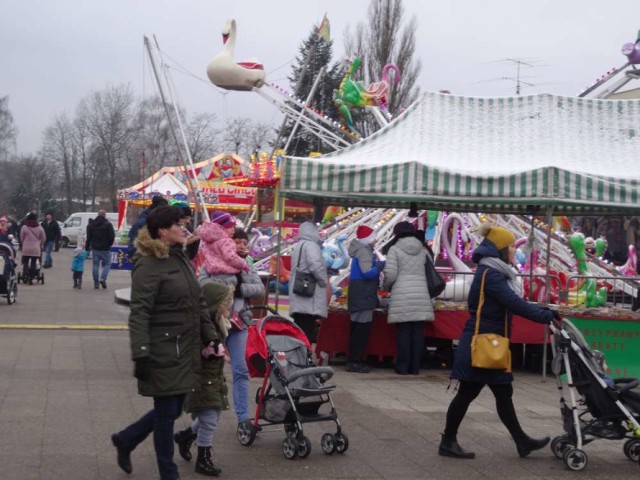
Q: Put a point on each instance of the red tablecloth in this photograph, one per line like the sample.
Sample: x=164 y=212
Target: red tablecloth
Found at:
x=333 y=336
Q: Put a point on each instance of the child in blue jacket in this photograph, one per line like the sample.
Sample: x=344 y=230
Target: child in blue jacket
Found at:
x=77 y=266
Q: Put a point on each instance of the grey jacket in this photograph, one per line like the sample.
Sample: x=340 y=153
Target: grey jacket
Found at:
x=404 y=277
x=310 y=261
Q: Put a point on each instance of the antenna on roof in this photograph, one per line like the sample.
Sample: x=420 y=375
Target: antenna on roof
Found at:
x=517 y=79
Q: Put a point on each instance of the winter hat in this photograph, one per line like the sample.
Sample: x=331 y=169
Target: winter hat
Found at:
x=77 y=251
x=499 y=236
x=158 y=201
x=3 y=219
x=404 y=229
x=366 y=234
x=223 y=219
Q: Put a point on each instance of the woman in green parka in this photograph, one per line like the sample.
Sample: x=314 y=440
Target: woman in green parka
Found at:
x=168 y=323
x=206 y=404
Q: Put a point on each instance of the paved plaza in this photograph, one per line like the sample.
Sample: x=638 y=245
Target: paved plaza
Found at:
x=64 y=389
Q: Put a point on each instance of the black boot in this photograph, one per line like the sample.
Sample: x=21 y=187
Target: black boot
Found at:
x=204 y=463
x=449 y=447
x=80 y=283
x=525 y=444
x=124 y=454
x=184 y=439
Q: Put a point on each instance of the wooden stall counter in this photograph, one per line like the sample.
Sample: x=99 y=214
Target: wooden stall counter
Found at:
x=333 y=336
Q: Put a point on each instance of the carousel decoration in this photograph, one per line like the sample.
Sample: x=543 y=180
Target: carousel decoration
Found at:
x=264 y=172
x=225 y=73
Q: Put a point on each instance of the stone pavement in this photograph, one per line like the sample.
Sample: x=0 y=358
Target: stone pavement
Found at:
x=64 y=391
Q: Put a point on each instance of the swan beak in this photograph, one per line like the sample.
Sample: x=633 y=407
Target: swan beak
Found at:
x=225 y=37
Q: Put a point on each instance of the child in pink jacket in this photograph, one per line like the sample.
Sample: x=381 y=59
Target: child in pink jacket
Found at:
x=219 y=249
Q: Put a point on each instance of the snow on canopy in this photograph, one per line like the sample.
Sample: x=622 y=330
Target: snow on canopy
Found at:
x=510 y=154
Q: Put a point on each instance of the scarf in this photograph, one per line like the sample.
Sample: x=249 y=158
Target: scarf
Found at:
x=506 y=270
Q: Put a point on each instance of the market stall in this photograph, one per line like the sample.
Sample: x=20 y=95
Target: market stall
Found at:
x=533 y=155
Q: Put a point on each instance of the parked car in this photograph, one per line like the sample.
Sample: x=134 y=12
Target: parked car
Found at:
x=75 y=227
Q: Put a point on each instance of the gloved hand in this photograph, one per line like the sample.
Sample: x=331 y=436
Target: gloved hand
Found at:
x=142 y=368
x=214 y=349
x=246 y=268
x=556 y=315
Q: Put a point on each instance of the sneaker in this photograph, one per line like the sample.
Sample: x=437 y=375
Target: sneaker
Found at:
x=96 y=286
x=103 y=283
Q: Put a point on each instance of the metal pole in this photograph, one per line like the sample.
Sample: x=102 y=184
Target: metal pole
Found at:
x=166 y=109
x=301 y=114
x=547 y=282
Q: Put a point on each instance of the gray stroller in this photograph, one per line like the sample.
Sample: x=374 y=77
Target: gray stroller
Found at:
x=597 y=406
x=293 y=390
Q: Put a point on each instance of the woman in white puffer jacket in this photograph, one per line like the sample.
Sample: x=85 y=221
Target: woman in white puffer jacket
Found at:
x=409 y=304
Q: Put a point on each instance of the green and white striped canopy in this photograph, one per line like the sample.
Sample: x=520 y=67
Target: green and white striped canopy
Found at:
x=510 y=155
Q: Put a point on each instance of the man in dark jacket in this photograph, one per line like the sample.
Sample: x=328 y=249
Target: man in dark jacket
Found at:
x=100 y=237
x=141 y=221
x=52 y=231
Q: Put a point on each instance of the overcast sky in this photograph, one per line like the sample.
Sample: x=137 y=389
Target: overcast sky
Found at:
x=54 y=52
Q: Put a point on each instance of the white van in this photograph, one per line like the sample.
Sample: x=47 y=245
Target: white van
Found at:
x=75 y=227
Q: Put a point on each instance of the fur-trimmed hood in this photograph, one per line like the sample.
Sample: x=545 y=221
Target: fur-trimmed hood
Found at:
x=147 y=246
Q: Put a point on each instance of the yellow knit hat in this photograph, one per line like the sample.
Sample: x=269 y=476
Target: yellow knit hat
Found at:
x=499 y=236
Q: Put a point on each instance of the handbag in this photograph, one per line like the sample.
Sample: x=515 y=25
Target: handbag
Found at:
x=490 y=350
x=435 y=283
x=304 y=283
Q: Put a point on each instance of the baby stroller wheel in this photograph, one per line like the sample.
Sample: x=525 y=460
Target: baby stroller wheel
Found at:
x=12 y=294
x=575 y=459
x=304 y=446
x=290 y=448
x=342 y=442
x=559 y=445
x=328 y=443
x=632 y=450
x=246 y=433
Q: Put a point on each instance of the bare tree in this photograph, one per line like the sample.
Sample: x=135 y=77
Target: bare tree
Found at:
x=111 y=122
x=82 y=151
x=58 y=147
x=260 y=134
x=384 y=39
x=203 y=137
x=155 y=138
x=8 y=131
x=32 y=188
x=236 y=134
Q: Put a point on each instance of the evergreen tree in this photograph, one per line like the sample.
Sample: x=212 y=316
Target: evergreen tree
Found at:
x=314 y=54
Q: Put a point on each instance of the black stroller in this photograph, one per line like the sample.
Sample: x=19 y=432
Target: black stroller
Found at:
x=36 y=276
x=293 y=389
x=594 y=409
x=8 y=277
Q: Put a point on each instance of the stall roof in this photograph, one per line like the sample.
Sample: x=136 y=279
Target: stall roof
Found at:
x=511 y=154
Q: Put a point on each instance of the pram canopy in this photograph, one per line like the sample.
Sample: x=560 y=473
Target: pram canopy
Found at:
x=257 y=350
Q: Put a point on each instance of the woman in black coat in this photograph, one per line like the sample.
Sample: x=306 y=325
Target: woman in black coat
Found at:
x=494 y=255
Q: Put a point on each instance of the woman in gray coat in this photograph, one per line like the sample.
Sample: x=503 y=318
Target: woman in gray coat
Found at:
x=308 y=258
x=409 y=304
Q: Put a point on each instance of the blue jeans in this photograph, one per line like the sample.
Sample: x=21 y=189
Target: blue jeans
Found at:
x=48 y=247
x=101 y=257
x=236 y=344
x=160 y=421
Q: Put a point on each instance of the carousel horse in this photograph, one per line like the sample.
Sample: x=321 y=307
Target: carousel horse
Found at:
x=353 y=94
x=225 y=73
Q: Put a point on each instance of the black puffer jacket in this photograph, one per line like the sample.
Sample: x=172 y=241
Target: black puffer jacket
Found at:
x=100 y=235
